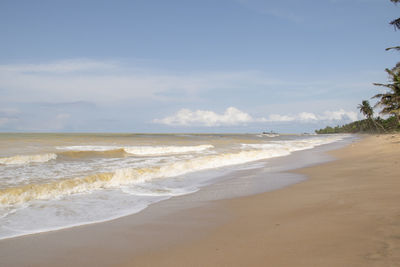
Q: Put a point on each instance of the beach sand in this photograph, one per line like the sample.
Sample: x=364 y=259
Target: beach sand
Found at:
x=346 y=214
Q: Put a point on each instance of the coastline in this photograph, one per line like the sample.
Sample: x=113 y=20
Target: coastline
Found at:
x=323 y=221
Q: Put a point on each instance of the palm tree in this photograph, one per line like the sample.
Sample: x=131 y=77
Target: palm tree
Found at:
x=366 y=109
x=396 y=25
x=395 y=22
x=390 y=100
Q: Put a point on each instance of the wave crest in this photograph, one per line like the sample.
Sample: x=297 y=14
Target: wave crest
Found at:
x=115 y=153
x=80 y=151
x=127 y=176
x=160 y=150
x=26 y=159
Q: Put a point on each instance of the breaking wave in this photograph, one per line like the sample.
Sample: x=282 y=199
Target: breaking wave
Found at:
x=112 y=153
x=127 y=176
x=102 y=151
x=134 y=150
x=26 y=159
x=160 y=150
x=293 y=145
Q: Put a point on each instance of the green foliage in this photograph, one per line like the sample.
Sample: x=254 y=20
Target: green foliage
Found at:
x=364 y=126
x=395 y=22
x=366 y=109
x=390 y=100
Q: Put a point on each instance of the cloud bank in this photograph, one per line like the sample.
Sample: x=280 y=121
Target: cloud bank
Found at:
x=38 y=97
x=339 y=115
x=185 y=117
x=111 y=81
x=234 y=117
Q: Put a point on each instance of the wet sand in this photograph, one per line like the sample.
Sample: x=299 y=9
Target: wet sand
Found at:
x=346 y=214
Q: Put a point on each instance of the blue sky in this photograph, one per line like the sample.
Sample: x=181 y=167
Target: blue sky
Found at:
x=190 y=66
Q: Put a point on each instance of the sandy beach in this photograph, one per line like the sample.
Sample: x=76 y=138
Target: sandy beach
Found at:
x=199 y=133
x=345 y=214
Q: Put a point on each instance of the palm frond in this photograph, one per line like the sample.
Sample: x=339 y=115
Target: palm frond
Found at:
x=377 y=96
x=396 y=23
x=389 y=101
x=393 y=48
x=384 y=85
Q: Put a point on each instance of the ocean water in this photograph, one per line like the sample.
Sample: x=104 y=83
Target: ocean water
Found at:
x=55 y=181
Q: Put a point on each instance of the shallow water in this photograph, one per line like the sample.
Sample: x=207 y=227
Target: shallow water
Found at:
x=54 y=181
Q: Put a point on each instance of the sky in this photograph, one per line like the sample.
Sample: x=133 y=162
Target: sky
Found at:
x=190 y=66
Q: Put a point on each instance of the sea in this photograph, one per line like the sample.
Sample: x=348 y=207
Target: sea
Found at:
x=51 y=181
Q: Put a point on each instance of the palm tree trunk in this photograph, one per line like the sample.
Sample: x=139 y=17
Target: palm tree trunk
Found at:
x=378 y=124
x=372 y=119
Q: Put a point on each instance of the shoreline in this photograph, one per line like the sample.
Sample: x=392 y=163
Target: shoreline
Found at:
x=200 y=233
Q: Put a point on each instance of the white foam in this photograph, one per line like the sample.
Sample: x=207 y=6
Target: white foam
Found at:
x=141 y=150
x=26 y=159
x=138 y=175
x=160 y=150
x=142 y=191
x=126 y=176
x=87 y=148
x=294 y=145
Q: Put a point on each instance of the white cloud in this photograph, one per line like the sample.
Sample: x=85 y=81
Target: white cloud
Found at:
x=280 y=118
x=108 y=82
x=119 y=87
x=307 y=116
x=231 y=116
x=63 y=66
x=339 y=115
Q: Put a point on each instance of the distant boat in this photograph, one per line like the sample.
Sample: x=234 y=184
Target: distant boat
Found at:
x=270 y=134
x=309 y=134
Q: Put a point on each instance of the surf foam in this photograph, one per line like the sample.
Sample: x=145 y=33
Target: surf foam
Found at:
x=126 y=176
x=26 y=159
x=139 y=150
